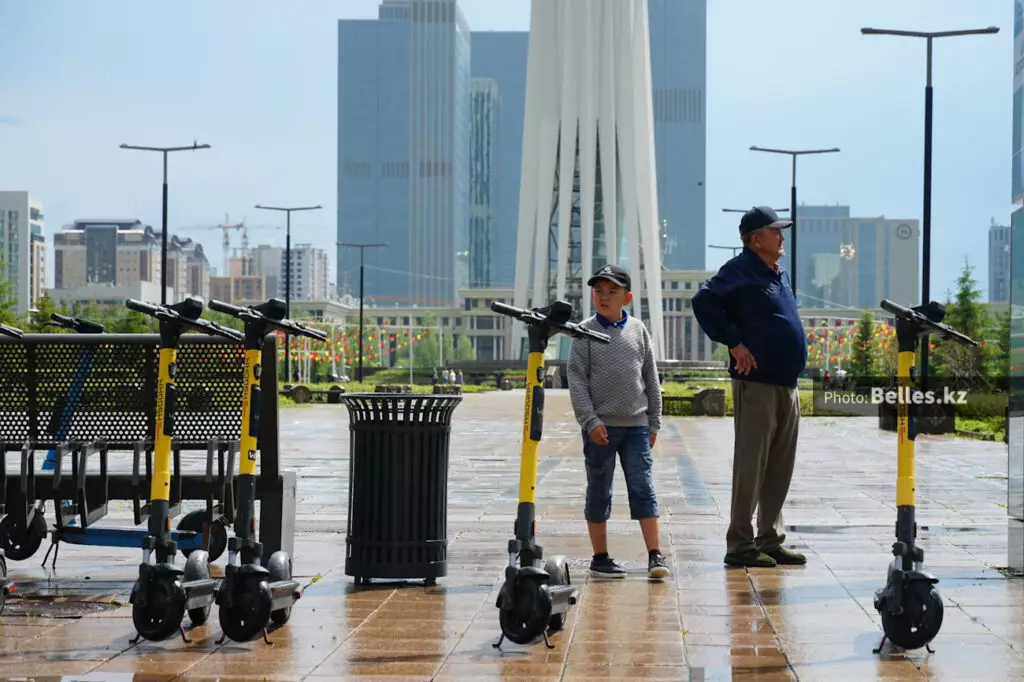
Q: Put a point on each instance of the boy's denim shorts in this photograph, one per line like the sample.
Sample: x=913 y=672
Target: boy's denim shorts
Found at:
x=633 y=445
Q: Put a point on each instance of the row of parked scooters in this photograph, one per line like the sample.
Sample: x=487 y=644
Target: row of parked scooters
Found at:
x=250 y=595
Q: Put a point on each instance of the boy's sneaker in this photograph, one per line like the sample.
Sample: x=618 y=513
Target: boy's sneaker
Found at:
x=603 y=566
x=656 y=567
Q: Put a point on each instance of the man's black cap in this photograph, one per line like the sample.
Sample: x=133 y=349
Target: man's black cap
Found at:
x=761 y=216
x=612 y=273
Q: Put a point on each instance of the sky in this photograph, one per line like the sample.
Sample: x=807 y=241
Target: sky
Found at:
x=257 y=80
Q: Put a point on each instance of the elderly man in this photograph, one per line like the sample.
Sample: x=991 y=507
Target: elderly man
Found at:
x=749 y=307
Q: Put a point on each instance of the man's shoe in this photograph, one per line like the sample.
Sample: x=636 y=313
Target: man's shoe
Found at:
x=785 y=557
x=604 y=566
x=750 y=559
x=656 y=567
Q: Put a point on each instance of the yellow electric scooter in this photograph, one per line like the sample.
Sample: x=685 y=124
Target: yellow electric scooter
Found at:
x=251 y=595
x=163 y=591
x=534 y=598
x=911 y=608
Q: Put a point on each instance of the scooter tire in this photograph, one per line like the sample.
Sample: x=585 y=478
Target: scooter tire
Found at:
x=920 y=620
x=161 y=614
x=280 y=567
x=526 y=618
x=20 y=544
x=558 y=569
x=249 y=612
x=197 y=567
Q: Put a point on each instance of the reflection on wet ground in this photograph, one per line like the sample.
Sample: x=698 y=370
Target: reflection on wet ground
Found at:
x=814 y=622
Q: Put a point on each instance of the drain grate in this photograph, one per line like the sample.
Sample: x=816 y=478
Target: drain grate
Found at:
x=57 y=608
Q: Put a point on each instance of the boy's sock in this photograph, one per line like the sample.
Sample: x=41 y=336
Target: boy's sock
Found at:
x=602 y=555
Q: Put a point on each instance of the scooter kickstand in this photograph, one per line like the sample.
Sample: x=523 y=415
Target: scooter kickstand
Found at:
x=266 y=638
x=929 y=648
x=501 y=639
x=880 y=645
x=547 y=641
x=135 y=640
x=184 y=637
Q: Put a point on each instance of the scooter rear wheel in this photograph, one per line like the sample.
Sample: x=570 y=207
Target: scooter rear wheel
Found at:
x=920 y=620
x=526 y=618
x=197 y=567
x=20 y=544
x=249 y=611
x=280 y=567
x=558 y=569
x=159 y=616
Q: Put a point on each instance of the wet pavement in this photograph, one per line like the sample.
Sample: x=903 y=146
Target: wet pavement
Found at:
x=707 y=622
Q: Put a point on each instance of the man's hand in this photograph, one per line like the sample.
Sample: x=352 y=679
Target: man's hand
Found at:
x=744 y=359
x=654 y=437
x=599 y=435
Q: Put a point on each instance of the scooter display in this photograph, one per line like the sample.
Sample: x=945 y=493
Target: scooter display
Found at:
x=910 y=606
x=163 y=592
x=6 y=587
x=250 y=594
x=533 y=598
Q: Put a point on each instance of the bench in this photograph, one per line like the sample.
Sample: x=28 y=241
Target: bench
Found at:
x=114 y=378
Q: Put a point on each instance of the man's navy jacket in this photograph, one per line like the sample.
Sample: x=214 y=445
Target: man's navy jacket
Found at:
x=750 y=303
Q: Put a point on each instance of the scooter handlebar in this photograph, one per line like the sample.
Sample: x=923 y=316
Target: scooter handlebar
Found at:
x=535 y=317
x=253 y=314
x=222 y=307
x=215 y=329
x=13 y=332
x=77 y=324
x=943 y=330
x=141 y=307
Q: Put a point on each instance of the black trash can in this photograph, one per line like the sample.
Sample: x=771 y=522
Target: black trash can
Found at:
x=398 y=485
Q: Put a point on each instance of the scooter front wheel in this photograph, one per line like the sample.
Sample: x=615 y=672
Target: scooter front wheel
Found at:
x=526 y=617
x=249 y=611
x=920 y=619
x=280 y=567
x=157 y=614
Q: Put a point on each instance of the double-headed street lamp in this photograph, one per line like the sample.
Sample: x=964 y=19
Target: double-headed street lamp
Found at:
x=792 y=198
x=362 y=248
x=288 y=273
x=926 y=214
x=163 y=245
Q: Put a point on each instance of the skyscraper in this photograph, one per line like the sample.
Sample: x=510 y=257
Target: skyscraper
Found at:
x=403 y=151
x=998 y=263
x=22 y=248
x=500 y=57
x=484 y=181
x=678 y=35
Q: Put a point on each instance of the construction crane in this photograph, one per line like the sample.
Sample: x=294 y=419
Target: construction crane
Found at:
x=734 y=249
x=227 y=226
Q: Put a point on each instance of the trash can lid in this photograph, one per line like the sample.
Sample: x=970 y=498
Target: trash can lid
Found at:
x=382 y=408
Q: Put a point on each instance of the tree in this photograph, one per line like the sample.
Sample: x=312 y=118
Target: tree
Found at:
x=968 y=316
x=464 y=351
x=862 y=362
x=8 y=301
x=425 y=352
x=37 y=321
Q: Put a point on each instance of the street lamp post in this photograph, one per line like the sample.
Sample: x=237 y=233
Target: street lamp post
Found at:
x=926 y=213
x=362 y=248
x=288 y=274
x=163 y=245
x=792 y=197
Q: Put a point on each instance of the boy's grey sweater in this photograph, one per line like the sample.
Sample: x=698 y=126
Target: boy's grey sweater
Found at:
x=616 y=383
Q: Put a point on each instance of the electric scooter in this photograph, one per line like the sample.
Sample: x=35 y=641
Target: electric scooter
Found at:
x=6 y=587
x=21 y=534
x=532 y=598
x=251 y=595
x=163 y=592
x=910 y=606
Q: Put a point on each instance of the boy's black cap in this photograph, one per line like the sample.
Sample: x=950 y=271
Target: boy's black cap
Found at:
x=761 y=216
x=612 y=273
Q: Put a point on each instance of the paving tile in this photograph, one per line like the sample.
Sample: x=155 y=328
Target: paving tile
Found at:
x=708 y=622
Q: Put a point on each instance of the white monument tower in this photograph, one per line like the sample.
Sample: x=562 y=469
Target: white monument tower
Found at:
x=588 y=191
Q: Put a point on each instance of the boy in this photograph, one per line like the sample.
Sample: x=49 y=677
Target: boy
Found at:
x=617 y=400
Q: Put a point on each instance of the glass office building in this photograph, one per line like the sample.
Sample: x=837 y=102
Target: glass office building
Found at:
x=403 y=152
